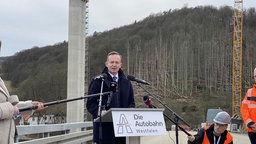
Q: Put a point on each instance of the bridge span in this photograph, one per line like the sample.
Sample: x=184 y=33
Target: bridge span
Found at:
x=81 y=133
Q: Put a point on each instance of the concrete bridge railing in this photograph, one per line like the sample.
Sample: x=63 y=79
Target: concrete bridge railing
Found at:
x=79 y=132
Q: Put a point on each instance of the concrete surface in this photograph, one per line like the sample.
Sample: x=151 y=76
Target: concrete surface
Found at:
x=170 y=138
x=76 y=60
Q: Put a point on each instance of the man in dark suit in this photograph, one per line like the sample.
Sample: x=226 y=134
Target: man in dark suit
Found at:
x=123 y=97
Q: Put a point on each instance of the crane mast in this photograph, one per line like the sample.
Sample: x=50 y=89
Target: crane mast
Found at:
x=237 y=57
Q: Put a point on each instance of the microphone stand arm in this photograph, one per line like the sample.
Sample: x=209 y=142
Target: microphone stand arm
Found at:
x=177 y=117
x=100 y=100
x=175 y=114
x=34 y=107
x=177 y=125
x=100 y=110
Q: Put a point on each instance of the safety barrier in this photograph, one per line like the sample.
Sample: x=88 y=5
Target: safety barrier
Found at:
x=79 y=132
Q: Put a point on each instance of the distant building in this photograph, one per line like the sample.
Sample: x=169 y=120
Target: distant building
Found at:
x=211 y=113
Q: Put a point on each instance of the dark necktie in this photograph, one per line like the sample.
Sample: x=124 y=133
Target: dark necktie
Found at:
x=115 y=78
x=116 y=96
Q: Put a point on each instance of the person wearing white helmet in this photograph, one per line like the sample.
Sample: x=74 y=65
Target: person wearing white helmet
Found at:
x=248 y=110
x=214 y=134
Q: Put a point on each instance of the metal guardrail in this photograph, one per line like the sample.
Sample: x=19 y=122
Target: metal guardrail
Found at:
x=79 y=132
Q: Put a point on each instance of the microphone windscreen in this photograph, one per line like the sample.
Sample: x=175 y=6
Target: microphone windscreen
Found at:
x=145 y=99
x=132 y=78
x=149 y=103
x=113 y=86
x=104 y=75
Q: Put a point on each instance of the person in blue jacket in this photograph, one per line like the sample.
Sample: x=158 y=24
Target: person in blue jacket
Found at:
x=122 y=97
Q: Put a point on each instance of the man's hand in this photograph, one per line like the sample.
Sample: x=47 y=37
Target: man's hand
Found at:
x=191 y=138
x=103 y=112
x=39 y=105
x=15 y=110
x=253 y=126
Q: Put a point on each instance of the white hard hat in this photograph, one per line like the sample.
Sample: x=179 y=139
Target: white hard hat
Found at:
x=222 y=118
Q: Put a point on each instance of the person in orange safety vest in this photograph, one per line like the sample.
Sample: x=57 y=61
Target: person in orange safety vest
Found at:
x=214 y=134
x=248 y=111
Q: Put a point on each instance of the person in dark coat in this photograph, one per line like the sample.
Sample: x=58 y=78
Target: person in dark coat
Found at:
x=122 y=97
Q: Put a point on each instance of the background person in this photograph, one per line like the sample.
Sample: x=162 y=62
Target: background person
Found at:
x=123 y=97
x=248 y=111
x=214 y=134
x=9 y=107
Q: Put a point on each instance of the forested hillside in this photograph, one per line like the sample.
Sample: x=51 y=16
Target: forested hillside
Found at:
x=38 y=74
x=186 y=55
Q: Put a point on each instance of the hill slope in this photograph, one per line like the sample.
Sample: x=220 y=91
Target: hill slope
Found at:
x=185 y=54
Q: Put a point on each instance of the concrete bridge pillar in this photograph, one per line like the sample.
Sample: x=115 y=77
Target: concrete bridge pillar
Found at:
x=76 y=60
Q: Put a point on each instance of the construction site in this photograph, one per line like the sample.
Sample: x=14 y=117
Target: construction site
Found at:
x=192 y=63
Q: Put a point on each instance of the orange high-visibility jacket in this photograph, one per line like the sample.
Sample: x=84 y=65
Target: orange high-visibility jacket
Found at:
x=229 y=137
x=206 y=136
x=248 y=107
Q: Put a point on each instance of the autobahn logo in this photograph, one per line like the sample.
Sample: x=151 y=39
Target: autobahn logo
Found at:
x=123 y=125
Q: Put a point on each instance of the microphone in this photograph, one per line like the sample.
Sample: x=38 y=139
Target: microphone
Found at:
x=133 y=78
x=101 y=76
x=113 y=86
x=148 y=102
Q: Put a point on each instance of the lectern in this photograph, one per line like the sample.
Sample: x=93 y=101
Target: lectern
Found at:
x=135 y=122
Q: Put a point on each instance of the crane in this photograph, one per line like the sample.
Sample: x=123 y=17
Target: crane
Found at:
x=237 y=58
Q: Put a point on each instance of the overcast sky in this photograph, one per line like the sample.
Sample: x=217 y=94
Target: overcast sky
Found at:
x=28 y=23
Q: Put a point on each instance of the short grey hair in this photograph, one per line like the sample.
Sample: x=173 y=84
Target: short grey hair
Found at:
x=114 y=53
